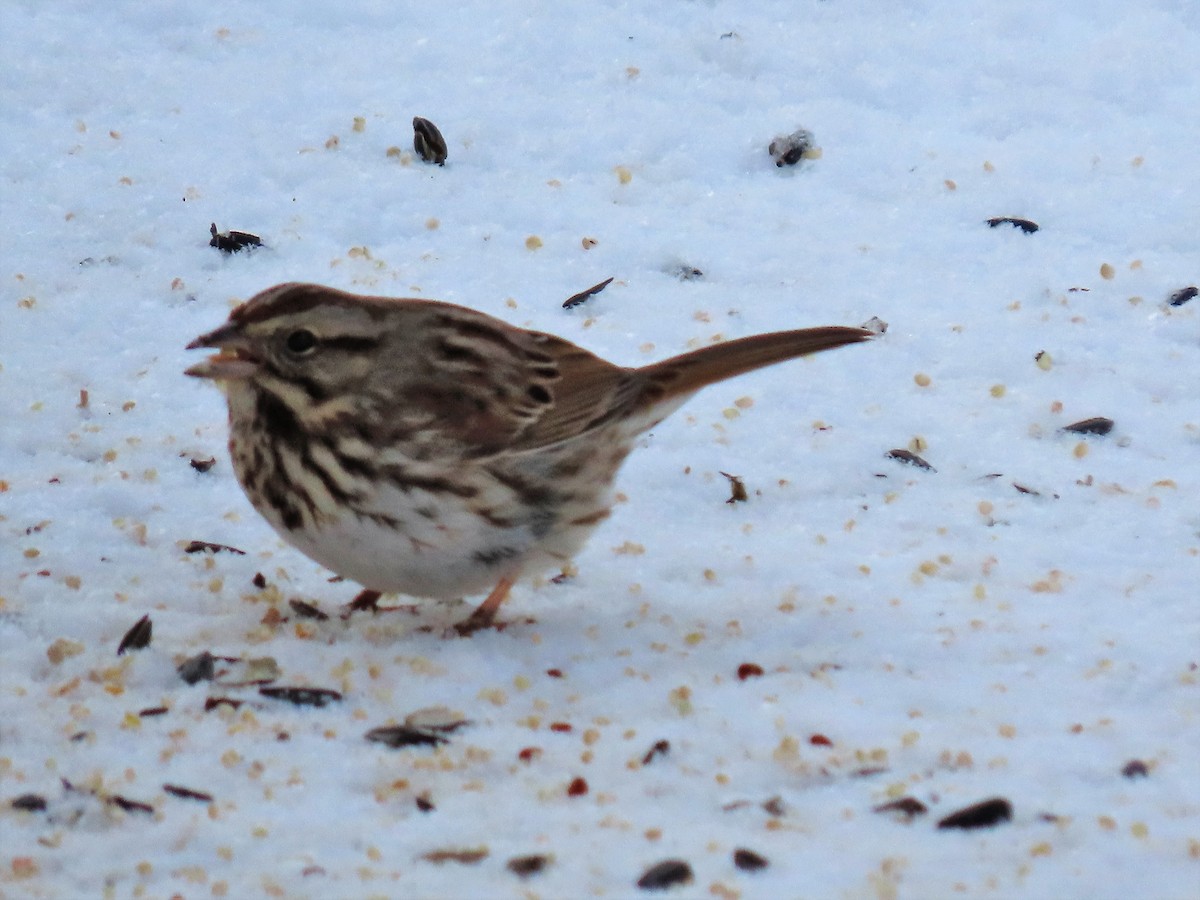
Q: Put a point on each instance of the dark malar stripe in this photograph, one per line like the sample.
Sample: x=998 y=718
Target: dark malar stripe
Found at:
x=286 y=433
x=278 y=420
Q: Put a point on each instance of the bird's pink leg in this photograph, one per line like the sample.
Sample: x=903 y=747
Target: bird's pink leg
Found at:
x=485 y=615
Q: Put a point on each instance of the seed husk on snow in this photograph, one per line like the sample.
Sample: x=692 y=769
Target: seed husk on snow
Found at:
x=665 y=874
x=749 y=670
x=306 y=610
x=909 y=458
x=1135 y=768
x=187 y=793
x=685 y=272
x=576 y=299
x=737 y=489
x=907 y=807
x=210 y=547
x=659 y=748
x=428 y=141
x=789 y=149
x=404 y=736
x=29 y=803
x=1183 y=295
x=466 y=856
x=301 y=696
x=137 y=637
x=1026 y=225
x=233 y=241
x=124 y=803
x=528 y=866
x=1094 y=425
x=201 y=667
x=983 y=814
x=748 y=860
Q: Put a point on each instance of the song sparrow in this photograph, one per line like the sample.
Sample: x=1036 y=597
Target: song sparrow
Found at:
x=427 y=448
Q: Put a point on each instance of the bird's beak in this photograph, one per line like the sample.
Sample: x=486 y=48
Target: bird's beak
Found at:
x=234 y=361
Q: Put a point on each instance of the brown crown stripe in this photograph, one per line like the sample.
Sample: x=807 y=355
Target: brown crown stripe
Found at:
x=288 y=299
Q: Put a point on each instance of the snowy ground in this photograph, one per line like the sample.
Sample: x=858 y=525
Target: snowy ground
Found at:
x=945 y=636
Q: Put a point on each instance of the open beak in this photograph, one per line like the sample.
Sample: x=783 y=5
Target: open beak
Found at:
x=233 y=362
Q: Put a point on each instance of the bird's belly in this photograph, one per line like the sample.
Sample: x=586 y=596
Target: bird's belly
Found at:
x=456 y=555
x=419 y=531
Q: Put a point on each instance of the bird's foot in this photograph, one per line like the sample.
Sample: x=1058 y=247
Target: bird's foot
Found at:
x=368 y=601
x=477 y=621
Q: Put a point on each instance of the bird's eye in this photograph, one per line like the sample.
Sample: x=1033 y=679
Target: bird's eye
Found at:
x=300 y=342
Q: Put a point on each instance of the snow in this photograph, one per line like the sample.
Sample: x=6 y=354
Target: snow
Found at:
x=940 y=635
